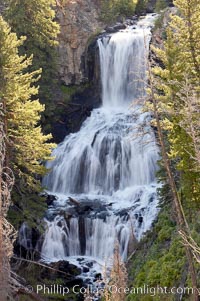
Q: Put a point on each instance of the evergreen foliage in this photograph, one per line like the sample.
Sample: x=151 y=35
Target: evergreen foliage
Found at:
x=111 y=9
x=26 y=145
x=178 y=91
x=160 y=5
x=160 y=259
x=36 y=21
x=141 y=6
x=157 y=5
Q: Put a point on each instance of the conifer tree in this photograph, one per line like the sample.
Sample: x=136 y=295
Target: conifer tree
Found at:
x=26 y=145
x=35 y=19
x=160 y=5
x=178 y=97
x=173 y=103
x=141 y=6
x=111 y=9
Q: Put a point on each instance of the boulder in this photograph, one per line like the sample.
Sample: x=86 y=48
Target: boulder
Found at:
x=119 y=26
x=110 y=29
x=50 y=199
x=61 y=269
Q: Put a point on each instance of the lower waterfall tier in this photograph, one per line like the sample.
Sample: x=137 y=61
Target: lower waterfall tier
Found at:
x=94 y=225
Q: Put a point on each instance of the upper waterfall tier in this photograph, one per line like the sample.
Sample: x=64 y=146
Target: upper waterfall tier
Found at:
x=123 y=58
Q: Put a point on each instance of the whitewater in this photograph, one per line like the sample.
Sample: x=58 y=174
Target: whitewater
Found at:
x=109 y=166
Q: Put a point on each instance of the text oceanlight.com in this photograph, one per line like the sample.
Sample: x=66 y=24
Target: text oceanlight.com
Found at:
x=143 y=290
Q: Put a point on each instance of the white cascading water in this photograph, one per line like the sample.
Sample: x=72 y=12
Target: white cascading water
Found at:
x=110 y=163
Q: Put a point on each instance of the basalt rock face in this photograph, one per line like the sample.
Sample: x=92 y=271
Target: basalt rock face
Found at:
x=78 y=20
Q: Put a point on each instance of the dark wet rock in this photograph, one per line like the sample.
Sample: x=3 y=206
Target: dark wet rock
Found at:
x=50 y=199
x=140 y=219
x=88 y=281
x=151 y=199
x=70 y=211
x=102 y=215
x=85 y=269
x=123 y=212
x=84 y=209
x=65 y=266
x=119 y=26
x=80 y=259
x=98 y=276
x=115 y=28
x=110 y=29
x=22 y=252
x=137 y=201
x=27 y=241
x=87 y=208
x=89 y=264
x=61 y=269
x=130 y=22
x=134 y=18
x=94 y=139
x=81 y=225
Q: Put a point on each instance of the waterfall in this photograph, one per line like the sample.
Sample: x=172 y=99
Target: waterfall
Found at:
x=109 y=166
x=122 y=67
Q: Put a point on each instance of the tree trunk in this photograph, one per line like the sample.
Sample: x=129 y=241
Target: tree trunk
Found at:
x=3 y=273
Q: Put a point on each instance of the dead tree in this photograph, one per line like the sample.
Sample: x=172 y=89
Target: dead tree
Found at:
x=7 y=232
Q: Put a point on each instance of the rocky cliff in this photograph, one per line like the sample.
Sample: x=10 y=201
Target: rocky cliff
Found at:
x=79 y=20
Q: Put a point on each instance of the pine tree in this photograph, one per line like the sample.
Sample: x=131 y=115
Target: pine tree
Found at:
x=141 y=6
x=160 y=5
x=35 y=19
x=181 y=71
x=26 y=145
x=111 y=9
x=171 y=100
x=187 y=33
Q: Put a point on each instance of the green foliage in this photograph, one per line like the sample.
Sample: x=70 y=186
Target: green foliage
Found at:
x=26 y=146
x=111 y=9
x=35 y=275
x=177 y=95
x=35 y=20
x=160 y=5
x=159 y=22
x=141 y=6
x=27 y=207
x=160 y=259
